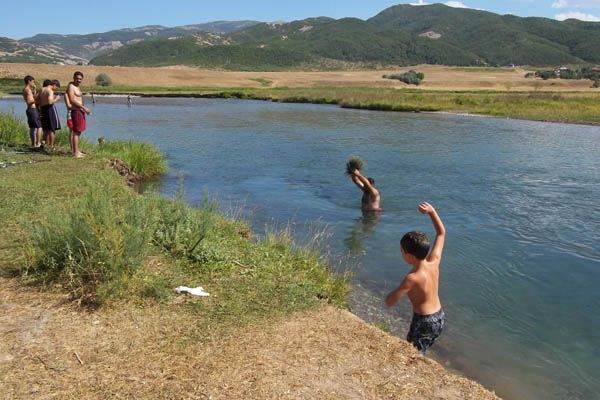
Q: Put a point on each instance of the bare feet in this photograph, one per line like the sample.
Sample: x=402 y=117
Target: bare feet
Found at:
x=78 y=155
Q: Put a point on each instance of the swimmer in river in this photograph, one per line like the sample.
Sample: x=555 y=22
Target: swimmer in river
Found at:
x=371 y=198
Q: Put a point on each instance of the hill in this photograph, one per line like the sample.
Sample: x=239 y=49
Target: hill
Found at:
x=20 y=52
x=73 y=49
x=400 y=35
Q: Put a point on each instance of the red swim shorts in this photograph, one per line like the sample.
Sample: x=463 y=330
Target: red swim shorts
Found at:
x=78 y=118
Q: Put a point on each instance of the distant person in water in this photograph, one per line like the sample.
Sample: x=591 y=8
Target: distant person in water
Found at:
x=421 y=283
x=33 y=116
x=371 y=198
x=93 y=98
x=129 y=102
x=49 y=115
x=78 y=112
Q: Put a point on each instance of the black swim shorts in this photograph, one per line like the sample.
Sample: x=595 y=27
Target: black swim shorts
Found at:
x=33 y=118
x=425 y=329
x=50 y=120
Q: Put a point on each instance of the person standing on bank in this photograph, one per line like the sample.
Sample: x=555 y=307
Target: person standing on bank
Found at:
x=78 y=112
x=49 y=115
x=33 y=115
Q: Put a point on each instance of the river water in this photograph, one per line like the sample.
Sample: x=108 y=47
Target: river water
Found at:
x=519 y=200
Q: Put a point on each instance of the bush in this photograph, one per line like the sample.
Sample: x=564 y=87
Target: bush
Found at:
x=545 y=75
x=101 y=241
x=411 y=77
x=103 y=80
x=12 y=130
x=143 y=158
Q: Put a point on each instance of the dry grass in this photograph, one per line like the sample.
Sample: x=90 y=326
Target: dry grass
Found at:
x=49 y=350
x=436 y=77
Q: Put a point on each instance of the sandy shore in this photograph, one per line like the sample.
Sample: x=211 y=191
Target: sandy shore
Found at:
x=49 y=350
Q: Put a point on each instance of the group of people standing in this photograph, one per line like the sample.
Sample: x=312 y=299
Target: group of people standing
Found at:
x=42 y=115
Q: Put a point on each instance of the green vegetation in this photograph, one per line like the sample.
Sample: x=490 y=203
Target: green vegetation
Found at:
x=578 y=73
x=103 y=80
x=142 y=158
x=411 y=77
x=353 y=163
x=89 y=234
x=540 y=106
x=395 y=37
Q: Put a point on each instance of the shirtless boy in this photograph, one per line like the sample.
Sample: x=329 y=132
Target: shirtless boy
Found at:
x=421 y=283
x=371 y=198
x=50 y=119
x=33 y=116
x=78 y=111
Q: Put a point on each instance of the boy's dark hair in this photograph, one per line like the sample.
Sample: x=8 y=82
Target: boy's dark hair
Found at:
x=47 y=82
x=28 y=79
x=78 y=73
x=55 y=82
x=371 y=180
x=415 y=243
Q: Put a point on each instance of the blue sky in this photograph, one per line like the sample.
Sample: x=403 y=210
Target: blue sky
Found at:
x=16 y=21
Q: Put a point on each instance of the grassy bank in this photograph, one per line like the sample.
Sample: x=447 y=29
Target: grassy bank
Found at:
x=538 y=106
x=72 y=224
x=570 y=107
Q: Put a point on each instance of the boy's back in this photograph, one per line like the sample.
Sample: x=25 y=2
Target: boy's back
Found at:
x=422 y=282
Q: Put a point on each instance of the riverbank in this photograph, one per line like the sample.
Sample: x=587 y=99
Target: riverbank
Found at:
x=498 y=92
x=268 y=330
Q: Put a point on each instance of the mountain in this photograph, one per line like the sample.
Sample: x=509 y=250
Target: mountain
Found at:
x=399 y=35
x=499 y=39
x=314 y=43
x=71 y=49
x=17 y=51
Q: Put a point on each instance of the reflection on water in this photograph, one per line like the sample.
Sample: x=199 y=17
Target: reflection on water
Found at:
x=363 y=228
x=519 y=201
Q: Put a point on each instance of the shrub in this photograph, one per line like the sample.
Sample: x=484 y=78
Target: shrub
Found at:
x=12 y=130
x=103 y=80
x=143 y=158
x=100 y=242
x=545 y=75
x=411 y=77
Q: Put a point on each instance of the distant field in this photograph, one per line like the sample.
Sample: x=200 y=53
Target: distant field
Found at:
x=436 y=78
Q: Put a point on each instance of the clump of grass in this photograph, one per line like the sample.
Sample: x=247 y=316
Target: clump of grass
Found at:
x=143 y=158
x=353 y=163
x=103 y=239
x=13 y=132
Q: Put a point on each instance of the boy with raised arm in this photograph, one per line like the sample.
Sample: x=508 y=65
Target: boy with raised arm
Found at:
x=421 y=283
x=371 y=198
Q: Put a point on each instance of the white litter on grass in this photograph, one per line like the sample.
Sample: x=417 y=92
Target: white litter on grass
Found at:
x=198 y=291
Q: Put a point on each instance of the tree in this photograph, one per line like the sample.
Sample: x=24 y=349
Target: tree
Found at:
x=103 y=80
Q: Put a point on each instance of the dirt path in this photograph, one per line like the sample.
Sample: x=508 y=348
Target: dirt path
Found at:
x=50 y=350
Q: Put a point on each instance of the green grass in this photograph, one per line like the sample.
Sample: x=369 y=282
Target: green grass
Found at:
x=572 y=107
x=73 y=225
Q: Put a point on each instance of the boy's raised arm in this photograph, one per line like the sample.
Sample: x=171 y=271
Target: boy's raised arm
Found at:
x=438 y=244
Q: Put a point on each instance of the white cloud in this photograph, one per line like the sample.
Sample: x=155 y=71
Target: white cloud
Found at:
x=456 y=4
x=419 y=3
x=576 y=3
x=577 y=15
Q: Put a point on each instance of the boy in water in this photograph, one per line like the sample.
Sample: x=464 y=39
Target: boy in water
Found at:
x=371 y=198
x=421 y=283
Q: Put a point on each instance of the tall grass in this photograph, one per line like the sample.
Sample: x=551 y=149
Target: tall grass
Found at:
x=99 y=249
x=98 y=242
x=12 y=130
x=143 y=158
